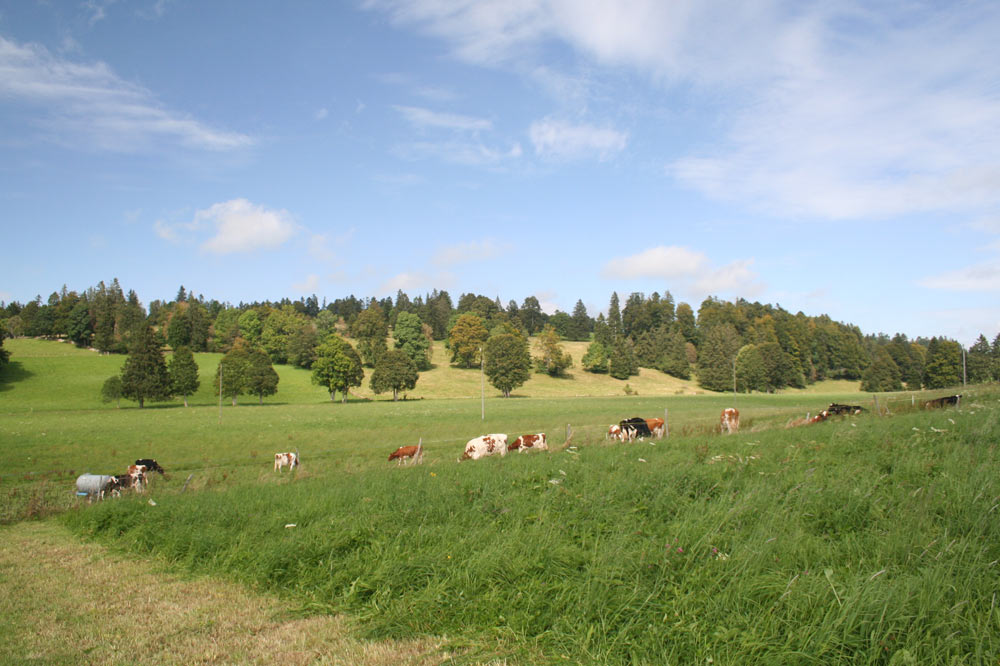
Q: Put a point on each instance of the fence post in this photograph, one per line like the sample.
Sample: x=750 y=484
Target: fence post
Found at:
x=877 y=409
x=569 y=432
x=666 y=422
x=186 y=482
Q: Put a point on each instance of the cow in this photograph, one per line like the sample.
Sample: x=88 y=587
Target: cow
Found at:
x=150 y=465
x=840 y=410
x=139 y=477
x=615 y=432
x=120 y=482
x=486 y=445
x=943 y=402
x=633 y=428
x=414 y=453
x=729 y=421
x=291 y=460
x=822 y=416
x=527 y=442
x=657 y=427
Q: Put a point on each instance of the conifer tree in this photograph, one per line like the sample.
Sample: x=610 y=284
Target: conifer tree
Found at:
x=410 y=336
x=183 y=371
x=715 y=357
x=674 y=360
x=144 y=375
x=943 y=367
x=882 y=375
x=596 y=358
x=261 y=378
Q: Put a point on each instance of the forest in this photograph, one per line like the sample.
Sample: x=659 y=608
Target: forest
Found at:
x=742 y=346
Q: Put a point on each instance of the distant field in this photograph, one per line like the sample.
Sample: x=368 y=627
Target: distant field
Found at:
x=860 y=540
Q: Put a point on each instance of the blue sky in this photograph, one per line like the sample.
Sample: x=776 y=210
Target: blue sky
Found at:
x=839 y=158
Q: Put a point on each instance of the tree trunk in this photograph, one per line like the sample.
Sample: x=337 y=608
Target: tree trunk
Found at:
x=234 y=400
x=333 y=396
x=185 y=401
x=260 y=400
x=140 y=403
x=395 y=395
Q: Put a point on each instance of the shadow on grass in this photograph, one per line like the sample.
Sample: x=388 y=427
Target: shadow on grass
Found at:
x=11 y=373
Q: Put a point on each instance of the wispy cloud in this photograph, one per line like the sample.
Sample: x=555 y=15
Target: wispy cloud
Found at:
x=469 y=153
x=471 y=251
x=980 y=277
x=561 y=140
x=416 y=281
x=689 y=268
x=88 y=104
x=309 y=285
x=426 y=118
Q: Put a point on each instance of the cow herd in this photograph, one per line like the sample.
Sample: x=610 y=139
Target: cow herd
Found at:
x=100 y=486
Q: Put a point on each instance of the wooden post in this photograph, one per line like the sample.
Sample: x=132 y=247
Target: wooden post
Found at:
x=877 y=409
x=666 y=422
x=569 y=432
x=186 y=482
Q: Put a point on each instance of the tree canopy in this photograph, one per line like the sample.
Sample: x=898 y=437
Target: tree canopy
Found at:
x=144 y=375
x=395 y=372
x=507 y=362
x=337 y=366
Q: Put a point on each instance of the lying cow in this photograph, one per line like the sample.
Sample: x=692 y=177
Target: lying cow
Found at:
x=150 y=465
x=486 y=445
x=290 y=460
x=634 y=428
x=943 y=402
x=414 y=453
x=839 y=410
x=729 y=421
x=527 y=442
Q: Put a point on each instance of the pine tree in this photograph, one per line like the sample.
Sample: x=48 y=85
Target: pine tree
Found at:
x=674 y=360
x=144 y=375
x=614 y=316
x=979 y=362
x=183 y=371
x=395 y=371
x=622 y=363
x=111 y=390
x=581 y=323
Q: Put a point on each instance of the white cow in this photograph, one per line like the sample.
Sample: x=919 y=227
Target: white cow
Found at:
x=530 y=443
x=729 y=422
x=486 y=445
x=282 y=459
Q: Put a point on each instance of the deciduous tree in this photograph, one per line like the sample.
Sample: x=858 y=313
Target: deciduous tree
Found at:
x=337 y=366
x=550 y=357
x=261 y=378
x=466 y=340
x=410 y=336
x=507 y=362
x=395 y=371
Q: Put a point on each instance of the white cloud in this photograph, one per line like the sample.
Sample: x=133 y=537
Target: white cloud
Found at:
x=89 y=104
x=981 y=277
x=688 y=268
x=416 y=281
x=663 y=262
x=424 y=118
x=238 y=226
x=471 y=251
x=843 y=111
x=321 y=114
x=459 y=152
x=553 y=138
x=309 y=285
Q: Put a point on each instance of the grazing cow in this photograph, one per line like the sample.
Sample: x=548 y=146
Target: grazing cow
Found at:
x=729 y=422
x=291 y=460
x=615 y=432
x=839 y=410
x=942 y=402
x=526 y=442
x=657 y=427
x=822 y=416
x=633 y=428
x=414 y=453
x=150 y=465
x=486 y=445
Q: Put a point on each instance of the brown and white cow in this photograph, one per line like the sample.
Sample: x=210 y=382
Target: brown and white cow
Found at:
x=656 y=427
x=486 y=445
x=527 y=442
x=414 y=453
x=291 y=460
x=615 y=432
x=729 y=422
x=139 y=478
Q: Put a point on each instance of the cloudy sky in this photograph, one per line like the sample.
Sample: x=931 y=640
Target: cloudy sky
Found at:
x=839 y=158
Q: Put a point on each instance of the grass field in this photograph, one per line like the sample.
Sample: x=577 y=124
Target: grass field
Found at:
x=868 y=540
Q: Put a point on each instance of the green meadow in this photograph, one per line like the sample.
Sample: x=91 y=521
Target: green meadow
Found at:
x=865 y=540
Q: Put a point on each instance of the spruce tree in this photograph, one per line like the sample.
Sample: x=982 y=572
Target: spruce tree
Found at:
x=409 y=335
x=614 y=316
x=596 y=358
x=144 y=375
x=674 y=360
x=183 y=372
x=261 y=378
x=943 y=367
x=233 y=370
x=882 y=375
x=715 y=357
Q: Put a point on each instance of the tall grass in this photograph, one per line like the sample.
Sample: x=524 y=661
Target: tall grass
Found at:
x=861 y=541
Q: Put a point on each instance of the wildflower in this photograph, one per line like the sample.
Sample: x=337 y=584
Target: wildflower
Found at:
x=679 y=549
x=433 y=474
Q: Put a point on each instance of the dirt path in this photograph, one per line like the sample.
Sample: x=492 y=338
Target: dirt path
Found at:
x=63 y=601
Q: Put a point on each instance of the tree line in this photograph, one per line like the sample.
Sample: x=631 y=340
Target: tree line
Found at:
x=738 y=345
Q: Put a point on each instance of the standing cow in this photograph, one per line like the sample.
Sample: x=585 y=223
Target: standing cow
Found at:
x=729 y=422
x=530 y=442
x=291 y=460
x=414 y=452
x=634 y=428
x=657 y=427
x=486 y=445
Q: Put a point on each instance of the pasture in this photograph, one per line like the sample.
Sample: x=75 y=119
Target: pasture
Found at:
x=865 y=539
